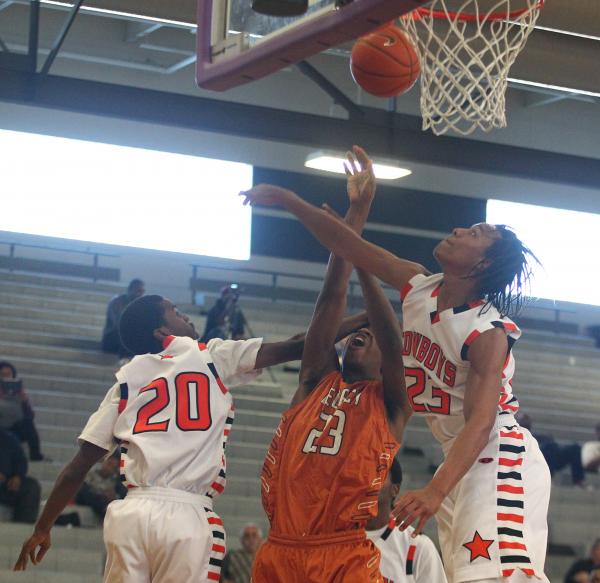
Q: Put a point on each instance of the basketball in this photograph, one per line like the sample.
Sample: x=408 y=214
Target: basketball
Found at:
x=385 y=63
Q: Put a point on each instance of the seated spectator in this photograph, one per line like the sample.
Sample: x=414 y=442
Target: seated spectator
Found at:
x=225 y=319
x=102 y=485
x=557 y=456
x=17 y=490
x=237 y=565
x=576 y=571
x=403 y=558
x=590 y=453
x=17 y=411
x=111 y=342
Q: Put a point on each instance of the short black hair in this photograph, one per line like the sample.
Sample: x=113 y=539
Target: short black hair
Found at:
x=5 y=364
x=134 y=283
x=138 y=322
x=396 y=473
x=505 y=282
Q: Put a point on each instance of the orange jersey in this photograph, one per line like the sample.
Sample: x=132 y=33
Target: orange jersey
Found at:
x=328 y=460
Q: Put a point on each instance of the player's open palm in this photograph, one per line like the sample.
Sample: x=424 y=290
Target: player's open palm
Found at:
x=361 y=179
x=34 y=548
x=417 y=506
x=265 y=194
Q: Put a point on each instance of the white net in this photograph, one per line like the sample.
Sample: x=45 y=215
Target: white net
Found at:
x=466 y=48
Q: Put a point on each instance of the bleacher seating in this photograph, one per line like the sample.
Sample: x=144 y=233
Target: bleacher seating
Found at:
x=50 y=329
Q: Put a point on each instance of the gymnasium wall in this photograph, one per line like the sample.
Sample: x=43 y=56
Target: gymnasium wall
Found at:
x=407 y=222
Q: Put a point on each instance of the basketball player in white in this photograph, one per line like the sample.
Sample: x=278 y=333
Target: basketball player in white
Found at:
x=171 y=414
x=491 y=494
x=404 y=559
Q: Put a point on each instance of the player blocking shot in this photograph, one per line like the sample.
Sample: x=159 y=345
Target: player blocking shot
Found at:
x=490 y=496
x=333 y=448
x=170 y=412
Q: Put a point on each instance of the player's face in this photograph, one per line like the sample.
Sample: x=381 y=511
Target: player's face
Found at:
x=465 y=249
x=178 y=324
x=361 y=351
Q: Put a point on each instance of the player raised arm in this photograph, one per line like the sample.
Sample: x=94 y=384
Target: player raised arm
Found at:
x=339 y=238
x=319 y=357
x=66 y=487
x=486 y=355
x=383 y=322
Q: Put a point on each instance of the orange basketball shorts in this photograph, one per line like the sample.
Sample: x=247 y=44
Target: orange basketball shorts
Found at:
x=342 y=558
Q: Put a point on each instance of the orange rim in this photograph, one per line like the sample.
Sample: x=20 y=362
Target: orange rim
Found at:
x=442 y=15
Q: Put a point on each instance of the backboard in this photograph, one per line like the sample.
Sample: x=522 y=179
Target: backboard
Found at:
x=237 y=45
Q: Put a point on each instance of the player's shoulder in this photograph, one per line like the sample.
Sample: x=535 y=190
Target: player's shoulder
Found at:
x=419 y=284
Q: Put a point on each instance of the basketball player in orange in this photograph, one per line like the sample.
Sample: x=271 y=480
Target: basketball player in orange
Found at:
x=333 y=448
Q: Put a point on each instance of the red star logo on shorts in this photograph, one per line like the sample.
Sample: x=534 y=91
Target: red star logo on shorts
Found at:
x=478 y=547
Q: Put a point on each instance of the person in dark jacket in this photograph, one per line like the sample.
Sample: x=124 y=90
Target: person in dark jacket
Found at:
x=17 y=490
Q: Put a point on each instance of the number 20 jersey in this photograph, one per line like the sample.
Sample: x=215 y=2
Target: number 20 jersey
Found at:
x=171 y=413
x=436 y=346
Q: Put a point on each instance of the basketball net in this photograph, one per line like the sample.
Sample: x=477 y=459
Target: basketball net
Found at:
x=466 y=48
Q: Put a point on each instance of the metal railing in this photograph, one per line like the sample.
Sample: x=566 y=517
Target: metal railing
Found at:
x=276 y=292
x=95 y=271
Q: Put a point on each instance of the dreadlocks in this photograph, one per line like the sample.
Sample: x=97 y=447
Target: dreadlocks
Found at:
x=505 y=282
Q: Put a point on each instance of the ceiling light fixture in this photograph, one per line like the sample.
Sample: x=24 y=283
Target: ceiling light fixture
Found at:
x=334 y=162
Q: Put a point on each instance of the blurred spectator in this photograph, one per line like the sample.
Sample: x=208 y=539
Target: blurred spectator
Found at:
x=225 y=319
x=595 y=574
x=16 y=411
x=111 y=342
x=585 y=565
x=17 y=490
x=557 y=456
x=237 y=565
x=590 y=453
x=102 y=485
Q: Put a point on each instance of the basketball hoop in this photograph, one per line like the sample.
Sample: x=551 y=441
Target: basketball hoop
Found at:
x=466 y=52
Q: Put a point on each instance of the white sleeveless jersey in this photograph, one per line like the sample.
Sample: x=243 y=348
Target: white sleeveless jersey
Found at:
x=171 y=413
x=436 y=346
x=405 y=559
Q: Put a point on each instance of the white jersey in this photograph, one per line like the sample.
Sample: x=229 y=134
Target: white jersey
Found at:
x=405 y=559
x=436 y=346
x=171 y=413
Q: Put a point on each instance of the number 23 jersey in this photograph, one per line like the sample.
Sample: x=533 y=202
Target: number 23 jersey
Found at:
x=328 y=459
x=436 y=347
x=171 y=413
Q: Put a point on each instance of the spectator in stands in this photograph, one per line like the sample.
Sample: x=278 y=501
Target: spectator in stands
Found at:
x=102 y=485
x=111 y=342
x=590 y=453
x=595 y=574
x=19 y=419
x=225 y=319
x=17 y=490
x=237 y=564
x=557 y=456
x=585 y=565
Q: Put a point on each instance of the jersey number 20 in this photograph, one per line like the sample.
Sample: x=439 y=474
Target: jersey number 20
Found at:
x=192 y=392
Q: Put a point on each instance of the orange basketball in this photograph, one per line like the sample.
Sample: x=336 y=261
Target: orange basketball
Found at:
x=385 y=63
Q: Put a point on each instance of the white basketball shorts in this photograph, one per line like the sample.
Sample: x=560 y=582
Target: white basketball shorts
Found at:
x=161 y=535
x=493 y=525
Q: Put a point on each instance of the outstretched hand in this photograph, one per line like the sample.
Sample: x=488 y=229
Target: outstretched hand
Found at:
x=417 y=505
x=30 y=546
x=361 y=179
x=266 y=194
